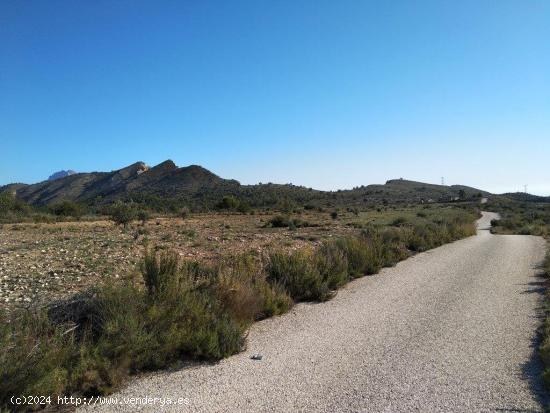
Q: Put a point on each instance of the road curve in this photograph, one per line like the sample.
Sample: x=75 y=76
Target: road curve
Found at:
x=451 y=330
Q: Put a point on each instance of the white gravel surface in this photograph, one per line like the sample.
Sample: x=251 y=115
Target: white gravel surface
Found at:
x=450 y=330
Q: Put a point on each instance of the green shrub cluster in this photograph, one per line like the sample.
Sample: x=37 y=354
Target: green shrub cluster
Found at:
x=523 y=218
x=122 y=213
x=425 y=237
x=67 y=209
x=285 y=221
x=13 y=209
x=232 y=203
x=315 y=274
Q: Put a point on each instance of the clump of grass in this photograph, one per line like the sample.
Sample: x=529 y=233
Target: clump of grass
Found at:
x=395 y=249
x=297 y=273
x=332 y=265
x=361 y=254
x=241 y=284
x=285 y=221
x=276 y=299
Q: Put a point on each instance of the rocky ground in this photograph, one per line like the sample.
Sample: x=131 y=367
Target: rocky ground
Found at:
x=44 y=262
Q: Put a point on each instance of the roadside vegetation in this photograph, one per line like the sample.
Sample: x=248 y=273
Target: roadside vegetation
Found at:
x=523 y=218
x=528 y=216
x=178 y=309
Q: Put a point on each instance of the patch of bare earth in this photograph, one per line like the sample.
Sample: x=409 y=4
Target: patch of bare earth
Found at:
x=40 y=263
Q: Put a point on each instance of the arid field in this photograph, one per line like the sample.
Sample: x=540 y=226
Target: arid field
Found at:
x=43 y=262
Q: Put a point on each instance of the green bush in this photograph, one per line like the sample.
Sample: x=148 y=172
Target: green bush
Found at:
x=297 y=273
x=275 y=298
x=121 y=213
x=393 y=246
x=67 y=209
x=332 y=264
x=228 y=202
x=279 y=221
x=13 y=209
x=143 y=215
x=361 y=254
x=244 y=207
x=161 y=273
x=241 y=285
x=283 y=221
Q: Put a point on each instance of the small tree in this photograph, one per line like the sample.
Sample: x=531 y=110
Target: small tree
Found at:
x=286 y=205
x=122 y=214
x=244 y=207
x=228 y=202
x=143 y=215
x=67 y=209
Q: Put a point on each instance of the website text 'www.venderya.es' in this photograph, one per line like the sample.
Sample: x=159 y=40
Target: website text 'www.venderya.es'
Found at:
x=99 y=400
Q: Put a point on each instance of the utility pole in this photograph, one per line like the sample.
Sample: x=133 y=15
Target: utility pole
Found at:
x=442 y=180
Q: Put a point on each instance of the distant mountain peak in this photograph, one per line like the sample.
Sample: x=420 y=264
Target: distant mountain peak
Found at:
x=136 y=180
x=133 y=170
x=167 y=165
x=61 y=174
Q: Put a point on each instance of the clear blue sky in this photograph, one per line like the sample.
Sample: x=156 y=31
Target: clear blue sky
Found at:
x=327 y=94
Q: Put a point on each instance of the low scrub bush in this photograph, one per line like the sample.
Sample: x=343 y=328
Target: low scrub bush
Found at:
x=241 y=284
x=297 y=273
x=393 y=248
x=67 y=209
x=143 y=215
x=122 y=214
x=361 y=254
x=523 y=218
x=279 y=221
x=284 y=221
x=332 y=265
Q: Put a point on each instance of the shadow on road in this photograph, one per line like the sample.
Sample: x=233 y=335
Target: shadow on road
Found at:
x=532 y=370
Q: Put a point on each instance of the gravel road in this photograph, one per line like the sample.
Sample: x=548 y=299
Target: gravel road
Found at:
x=450 y=330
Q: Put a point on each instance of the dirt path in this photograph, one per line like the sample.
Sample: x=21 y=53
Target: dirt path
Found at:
x=447 y=330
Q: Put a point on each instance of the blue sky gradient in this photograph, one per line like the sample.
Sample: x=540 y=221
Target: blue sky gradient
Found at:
x=327 y=94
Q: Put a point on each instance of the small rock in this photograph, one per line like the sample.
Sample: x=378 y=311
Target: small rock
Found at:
x=256 y=356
